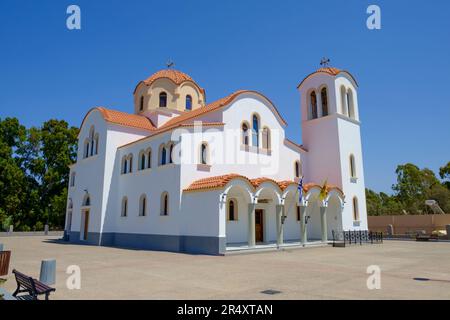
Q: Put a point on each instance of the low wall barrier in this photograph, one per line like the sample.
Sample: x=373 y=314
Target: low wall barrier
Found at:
x=343 y=238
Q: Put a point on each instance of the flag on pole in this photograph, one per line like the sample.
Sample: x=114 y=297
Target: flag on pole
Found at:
x=300 y=189
x=323 y=190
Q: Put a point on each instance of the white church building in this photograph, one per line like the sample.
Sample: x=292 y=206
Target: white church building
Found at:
x=183 y=175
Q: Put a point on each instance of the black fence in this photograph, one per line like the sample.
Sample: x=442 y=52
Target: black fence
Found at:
x=343 y=238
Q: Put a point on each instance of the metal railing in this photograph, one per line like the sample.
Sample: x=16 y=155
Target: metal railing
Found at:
x=341 y=239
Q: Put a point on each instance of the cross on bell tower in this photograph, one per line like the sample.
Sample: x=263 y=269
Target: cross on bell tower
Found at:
x=325 y=62
x=170 y=64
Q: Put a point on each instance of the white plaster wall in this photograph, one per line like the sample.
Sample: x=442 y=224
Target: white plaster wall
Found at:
x=94 y=173
x=236 y=231
x=151 y=182
x=350 y=189
x=201 y=214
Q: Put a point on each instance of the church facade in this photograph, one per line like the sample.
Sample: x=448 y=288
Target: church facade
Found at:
x=183 y=175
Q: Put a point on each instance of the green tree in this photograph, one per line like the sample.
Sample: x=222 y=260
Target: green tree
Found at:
x=13 y=182
x=413 y=186
x=444 y=173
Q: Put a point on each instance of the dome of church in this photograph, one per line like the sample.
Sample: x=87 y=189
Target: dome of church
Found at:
x=175 y=76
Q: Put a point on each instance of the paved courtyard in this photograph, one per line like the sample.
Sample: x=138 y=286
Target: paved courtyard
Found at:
x=312 y=273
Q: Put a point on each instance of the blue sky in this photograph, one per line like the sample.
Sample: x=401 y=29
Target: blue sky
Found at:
x=48 y=71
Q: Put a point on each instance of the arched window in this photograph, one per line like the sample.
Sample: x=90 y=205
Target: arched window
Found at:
x=124 y=164
x=162 y=155
x=352 y=166
x=143 y=205
x=255 y=131
x=149 y=158
x=141 y=105
x=96 y=143
x=142 y=160
x=232 y=210
x=188 y=102
x=69 y=216
x=124 y=211
x=130 y=163
x=163 y=100
x=87 y=200
x=245 y=137
x=86 y=148
x=170 y=153
x=204 y=153
x=164 y=204
x=324 y=97
x=72 y=179
x=91 y=140
x=266 y=138
x=344 y=101
x=355 y=209
x=351 y=108
x=298 y=169
x=313 y=98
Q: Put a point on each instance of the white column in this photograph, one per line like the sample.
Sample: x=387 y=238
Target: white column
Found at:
x=251 y=225
x=323 y=222
x=303 y=230
x=280 y=213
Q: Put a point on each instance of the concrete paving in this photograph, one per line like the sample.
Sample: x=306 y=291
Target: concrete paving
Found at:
x=310 y=273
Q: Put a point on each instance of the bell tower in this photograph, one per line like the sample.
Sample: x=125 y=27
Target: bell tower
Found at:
x=331 y=134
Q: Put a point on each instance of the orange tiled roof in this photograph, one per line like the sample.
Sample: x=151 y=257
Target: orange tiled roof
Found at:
x=214 y=106
x=329 y=70
x=126 y=119
x=186 y=118
x=217 y=182
x=175 y=76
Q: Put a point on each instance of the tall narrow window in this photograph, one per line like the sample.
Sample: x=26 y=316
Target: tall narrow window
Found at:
x=188 y=102
x=91 y=141
x=355 y=209
x=130 y=164
x=266 y=138
x=344 y=101
x=298 y=213
x=86 y=148
x=255 y=131
x=170 y=153
x=96 y=143
x=165 y=204
x=232 y=210
x=298 y=169
x=162 y=156
x=163 y=99
x=72 y=179
x=149 y=159
x=141 y=104
x=143 y=205
x=245 y=134
x=124 y=207
x=351 y=108
x=204 y=153
x=124 y=165
x=352 y=166
x=142 y=161
x=324 y=96
x=313 y=105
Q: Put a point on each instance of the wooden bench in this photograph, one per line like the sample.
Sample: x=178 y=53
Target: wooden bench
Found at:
x=4 y=262
x=33 y=287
